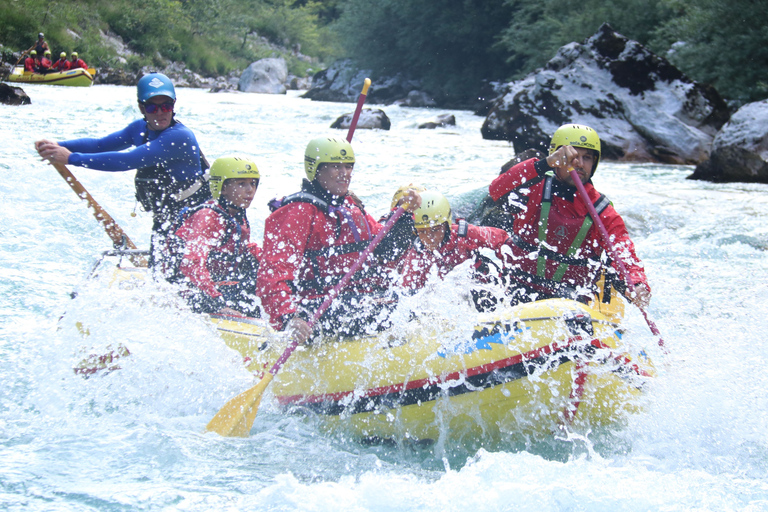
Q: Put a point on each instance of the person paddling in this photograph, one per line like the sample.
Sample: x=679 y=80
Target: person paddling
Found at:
x=78 y=63
x=170 y=166
x=556 y=249
x=211 y=250
x=30 y=63
x=312 y=238
x=62 y=64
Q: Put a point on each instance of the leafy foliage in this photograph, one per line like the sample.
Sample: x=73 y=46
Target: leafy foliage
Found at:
x=447 y=44
x=721 y=43
x=209 y=36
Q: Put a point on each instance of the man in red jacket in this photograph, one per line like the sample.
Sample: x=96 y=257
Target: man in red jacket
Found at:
x=313 y=237
x=211 y=251
x=30 y=63
x=44 y=66
x=443 y=245
x=556 y=250
x=77 y=62
x=62 y=64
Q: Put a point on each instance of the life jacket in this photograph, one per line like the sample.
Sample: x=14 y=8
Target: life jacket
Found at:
x=159 y=193
x=551 y=246
x=29 y=64
x=175 y=245
x=334 y=249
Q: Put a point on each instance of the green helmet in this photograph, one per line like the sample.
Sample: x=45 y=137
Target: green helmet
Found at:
x=400 y=193
x=62 y=55
x=578 y=136
x=33 y=52
x=47 y=52
x=326 y=150
x=230 y=167
x=434 y=210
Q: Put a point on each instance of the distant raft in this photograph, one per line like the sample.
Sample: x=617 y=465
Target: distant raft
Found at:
x=73 y=77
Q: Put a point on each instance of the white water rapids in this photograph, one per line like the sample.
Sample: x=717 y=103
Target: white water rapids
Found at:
x=132 y=440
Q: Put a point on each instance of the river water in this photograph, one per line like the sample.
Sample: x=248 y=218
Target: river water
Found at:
x=132 y=440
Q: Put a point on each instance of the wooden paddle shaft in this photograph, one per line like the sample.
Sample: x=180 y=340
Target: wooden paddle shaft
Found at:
x=118 y=236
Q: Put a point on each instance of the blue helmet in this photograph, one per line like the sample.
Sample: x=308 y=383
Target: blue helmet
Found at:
x=155 y=84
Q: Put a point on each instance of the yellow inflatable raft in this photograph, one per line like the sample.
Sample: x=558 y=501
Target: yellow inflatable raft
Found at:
x=526 y=370
x=73 y=77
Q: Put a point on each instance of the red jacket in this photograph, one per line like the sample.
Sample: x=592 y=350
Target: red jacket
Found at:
x=29 y=64
x=417 y=263
x=567 y=215
x=79 y=63
x=45 y=64
x=61 y=65
x=297 y=262
x=210 y=248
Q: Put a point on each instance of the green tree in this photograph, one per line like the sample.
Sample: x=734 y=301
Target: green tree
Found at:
x=539 y=27
x=449 y=45
x=721 y=43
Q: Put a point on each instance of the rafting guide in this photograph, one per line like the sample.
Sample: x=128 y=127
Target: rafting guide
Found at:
x=556 y=246
x=170 y=166
x=311 y=239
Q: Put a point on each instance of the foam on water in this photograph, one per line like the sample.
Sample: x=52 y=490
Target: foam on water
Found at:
x=132 y=439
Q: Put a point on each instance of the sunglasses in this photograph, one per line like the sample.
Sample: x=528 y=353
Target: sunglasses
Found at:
x=151 y=108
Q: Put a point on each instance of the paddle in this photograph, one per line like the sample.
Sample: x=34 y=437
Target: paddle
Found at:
x=118 y=236
x=237 y=416
x=358 y=109
x=612 y=251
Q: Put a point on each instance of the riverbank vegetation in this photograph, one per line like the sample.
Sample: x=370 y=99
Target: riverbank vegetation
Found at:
x=454 y=47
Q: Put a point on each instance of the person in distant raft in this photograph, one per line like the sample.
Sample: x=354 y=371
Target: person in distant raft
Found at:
x=78 y=63
x=556 y=249
x=30 y=63
x=41 y=46
x=443 y=245
x=170 y=166
x=313 y=237
x=62 y=64
x=211 y=250
x=44 y=65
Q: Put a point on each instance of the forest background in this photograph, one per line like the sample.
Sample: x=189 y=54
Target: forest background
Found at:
x=454 y=47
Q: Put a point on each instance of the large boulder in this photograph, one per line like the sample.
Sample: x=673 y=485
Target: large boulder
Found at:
x=643 y=108
x=266 y=76
x=10 y=95
x=343 y=82
x=740 y=149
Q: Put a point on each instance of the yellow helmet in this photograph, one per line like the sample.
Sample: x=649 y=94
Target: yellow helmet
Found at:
x=401 y=193
x=33 y=52
x=230 y=167
x=62 y=55
x=434 y=210
x=578 y=136
x=47 y=52
x=326 y=150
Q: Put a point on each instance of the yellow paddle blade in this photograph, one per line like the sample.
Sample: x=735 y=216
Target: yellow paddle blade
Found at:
x=236 y=418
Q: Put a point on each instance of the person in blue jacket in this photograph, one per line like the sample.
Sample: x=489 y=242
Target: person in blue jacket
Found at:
x=170 y=166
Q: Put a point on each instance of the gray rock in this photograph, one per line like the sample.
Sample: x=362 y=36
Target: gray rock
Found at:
x=342 y=81
x=369 y=120
x=266 y=76
x=440 y=122
x=10 y=95
x=643 y=108
x=740 y=149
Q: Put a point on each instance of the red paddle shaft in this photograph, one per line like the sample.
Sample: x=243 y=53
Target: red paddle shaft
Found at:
x=356 y=115
x=612 y=251
x=335 y=292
